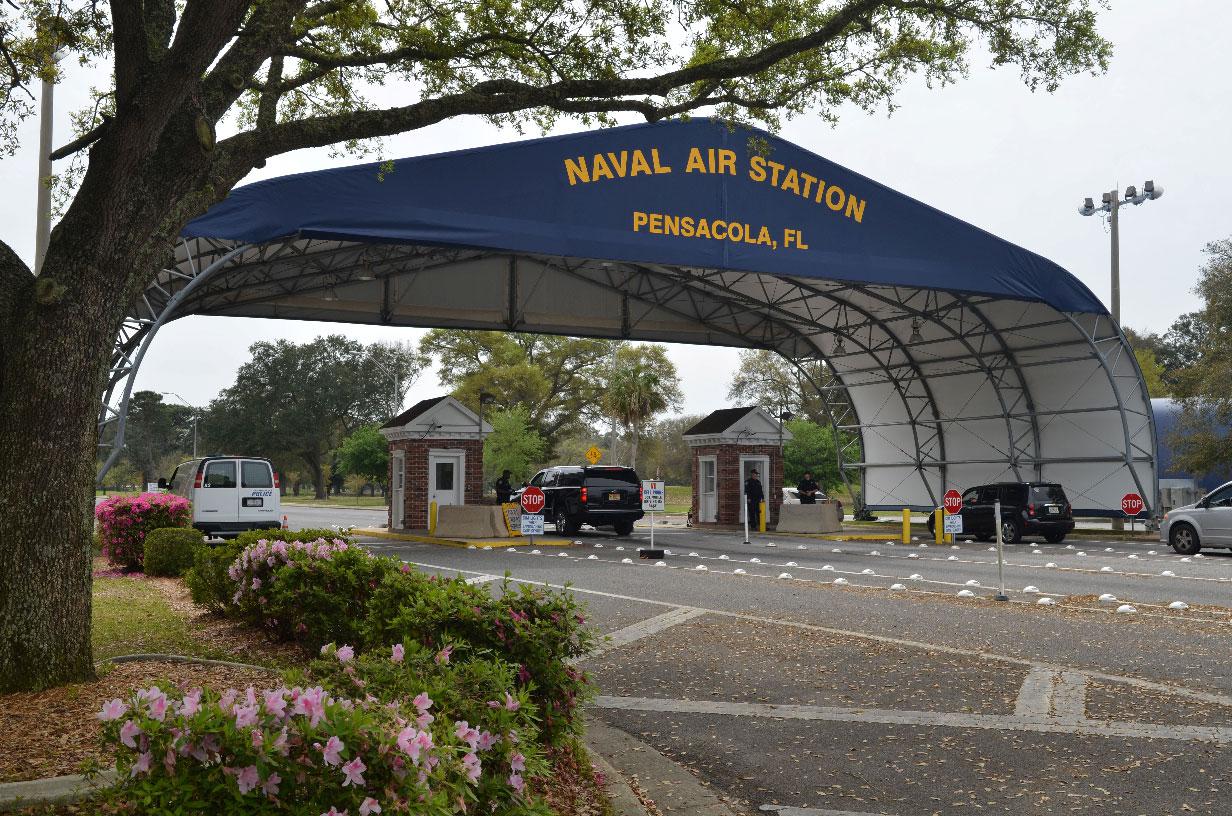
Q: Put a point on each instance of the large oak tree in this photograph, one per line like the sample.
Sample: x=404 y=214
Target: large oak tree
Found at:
x=281 y=75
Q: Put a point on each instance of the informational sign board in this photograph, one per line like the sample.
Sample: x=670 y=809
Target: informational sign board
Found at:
x=513 y=517
x=531 y=524
x=654 y=496
x=532 y=500
x=1132 y=504
x=952 y=502
x=594 y=455
x=953 y=524
x=152 y=487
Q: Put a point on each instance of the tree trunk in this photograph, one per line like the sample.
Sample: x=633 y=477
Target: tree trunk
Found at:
x=636 y=437
x=313 y=460
x=52 y=359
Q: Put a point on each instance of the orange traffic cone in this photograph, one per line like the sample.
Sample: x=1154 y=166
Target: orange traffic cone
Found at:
x=285 y=526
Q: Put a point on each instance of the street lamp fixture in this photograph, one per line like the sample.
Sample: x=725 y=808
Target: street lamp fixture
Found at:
x=1111 y=203
x=916 y=337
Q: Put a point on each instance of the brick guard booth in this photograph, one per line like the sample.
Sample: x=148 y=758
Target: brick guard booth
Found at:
x=435 y=454
x=726 y=445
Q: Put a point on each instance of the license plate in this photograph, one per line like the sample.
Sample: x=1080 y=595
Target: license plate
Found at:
x=613 y=497
x=1052 y=511
x=250 y=501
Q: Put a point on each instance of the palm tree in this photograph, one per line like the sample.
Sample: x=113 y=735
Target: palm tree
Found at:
x=643 y=383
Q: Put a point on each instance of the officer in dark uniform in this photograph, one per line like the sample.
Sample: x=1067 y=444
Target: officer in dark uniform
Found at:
x=807 y=489
x=753 y=496
x=503 y=489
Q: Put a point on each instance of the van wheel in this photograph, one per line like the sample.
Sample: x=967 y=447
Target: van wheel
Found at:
x=623 y=528
x=1184 y=539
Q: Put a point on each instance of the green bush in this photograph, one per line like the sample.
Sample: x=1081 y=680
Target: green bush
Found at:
x=208 y=581
x=169 y=550
x=125 y=521
x=250 y=537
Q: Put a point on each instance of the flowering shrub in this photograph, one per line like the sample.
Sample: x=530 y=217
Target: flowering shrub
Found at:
x=124 y=522
x=302 y=750
x=313 y=592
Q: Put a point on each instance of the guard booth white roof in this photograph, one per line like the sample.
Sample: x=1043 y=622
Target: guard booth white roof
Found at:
x=957 y=357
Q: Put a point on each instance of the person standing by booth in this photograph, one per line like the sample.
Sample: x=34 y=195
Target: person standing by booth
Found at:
x=807 y=489
x=503 y=488
x=753 y=497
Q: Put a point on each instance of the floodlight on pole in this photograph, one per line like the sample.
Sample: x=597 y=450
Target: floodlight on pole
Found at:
x=1111 y=203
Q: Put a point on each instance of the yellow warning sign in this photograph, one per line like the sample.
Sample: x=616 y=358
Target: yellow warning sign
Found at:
x=594 y=455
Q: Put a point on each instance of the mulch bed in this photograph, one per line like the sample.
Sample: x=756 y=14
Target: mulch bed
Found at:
x=53 y=732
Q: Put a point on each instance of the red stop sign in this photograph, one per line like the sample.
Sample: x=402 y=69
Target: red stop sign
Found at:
x=1132 y=504
x=532 y=500
x=952 y=501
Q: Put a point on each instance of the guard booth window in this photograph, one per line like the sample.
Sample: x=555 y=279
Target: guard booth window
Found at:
x=220 y=474
x=444 y=475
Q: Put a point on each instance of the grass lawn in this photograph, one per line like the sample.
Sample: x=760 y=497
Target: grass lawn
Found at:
x=679 y=499
x=131 y=616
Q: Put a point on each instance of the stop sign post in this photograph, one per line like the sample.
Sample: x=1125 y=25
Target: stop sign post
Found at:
x=1131 y=505
x=532 y=502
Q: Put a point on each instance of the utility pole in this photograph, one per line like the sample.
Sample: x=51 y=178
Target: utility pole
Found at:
x=42 y=228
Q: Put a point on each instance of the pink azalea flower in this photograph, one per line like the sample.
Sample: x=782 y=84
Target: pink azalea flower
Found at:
x=486 y=741
x=333 y=811
x=142 y=765
x=169 y=761
x=511 y=703
x=422 y=701
x=248 y=778
x=443 y=655
x=191 y=703
x=112 y=710
x=517 y=762
x=399 y=652
x=472 y=765
x=129 y=730
x=333 y=746
x=258 y=739
x=245 y=716
x=369 y=806
x=270 y=786
x=515 y=781
x=275 y=703
x=354 y=772
x=463 y=731
x=345 y=654
x=424 y=720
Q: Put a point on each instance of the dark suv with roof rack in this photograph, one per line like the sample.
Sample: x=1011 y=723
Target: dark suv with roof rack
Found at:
x=1027 y=508
x=598 y=495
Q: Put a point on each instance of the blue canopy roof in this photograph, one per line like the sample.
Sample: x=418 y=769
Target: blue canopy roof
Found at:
x=696 y=193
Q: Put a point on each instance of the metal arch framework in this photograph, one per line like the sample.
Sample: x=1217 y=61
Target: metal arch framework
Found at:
x=934 y=389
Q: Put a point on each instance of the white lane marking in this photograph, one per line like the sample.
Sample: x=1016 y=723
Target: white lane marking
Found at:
x=785 y=810
x=646 y=628
x=482 y=579
x=996 y=722
x=1179 y=691
x=1069 y=696
x=1035 y=695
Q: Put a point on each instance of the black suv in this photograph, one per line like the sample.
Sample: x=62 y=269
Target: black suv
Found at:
x=1027 y=508
x=598 y=495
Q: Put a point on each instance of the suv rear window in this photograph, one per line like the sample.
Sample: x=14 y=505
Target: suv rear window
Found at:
x=611 y=477
x=1043 y=494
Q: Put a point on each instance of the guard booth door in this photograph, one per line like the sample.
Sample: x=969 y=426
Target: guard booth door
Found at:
x=748 y=464
x=445 y=477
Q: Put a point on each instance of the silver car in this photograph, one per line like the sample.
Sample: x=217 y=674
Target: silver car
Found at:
x=1208 y=523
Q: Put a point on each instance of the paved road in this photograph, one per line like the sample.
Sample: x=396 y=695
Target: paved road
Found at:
x=859 y=699
x=300 y=517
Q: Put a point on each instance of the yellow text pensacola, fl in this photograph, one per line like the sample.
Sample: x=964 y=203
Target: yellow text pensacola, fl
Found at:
x=717 y=161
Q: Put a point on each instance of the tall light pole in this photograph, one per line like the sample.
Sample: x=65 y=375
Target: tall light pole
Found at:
x=42 y=228
x=396 y=402
x=1111 y=204
x=195 y=416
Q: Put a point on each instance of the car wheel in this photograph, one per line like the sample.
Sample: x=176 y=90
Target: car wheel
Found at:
x=932 y=525
x=564 y=526
x=623 y=528
x=1184 y=539
x=1010 y=532
x=1054 y=538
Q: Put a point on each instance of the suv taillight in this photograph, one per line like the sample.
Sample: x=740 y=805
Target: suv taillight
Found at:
x=639 y=493
x=584 y=496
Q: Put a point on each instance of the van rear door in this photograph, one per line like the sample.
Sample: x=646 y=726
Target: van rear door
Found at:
x=218 y=498
x=259 y=499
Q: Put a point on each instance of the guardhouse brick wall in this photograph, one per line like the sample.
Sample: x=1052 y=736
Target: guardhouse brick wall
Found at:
x=729 y=484
x=415 y=513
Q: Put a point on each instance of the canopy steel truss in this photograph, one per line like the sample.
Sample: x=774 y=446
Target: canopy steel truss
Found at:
x=930 y=389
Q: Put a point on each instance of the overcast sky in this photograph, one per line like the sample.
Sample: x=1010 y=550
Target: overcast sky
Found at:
x=986 y=150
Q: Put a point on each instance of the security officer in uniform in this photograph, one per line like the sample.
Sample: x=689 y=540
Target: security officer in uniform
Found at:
x=503 y=489
x=807 y=489
x=753 y=496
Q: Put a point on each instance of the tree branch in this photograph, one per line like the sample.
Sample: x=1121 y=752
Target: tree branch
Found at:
x=83 y=141
x=129 y=47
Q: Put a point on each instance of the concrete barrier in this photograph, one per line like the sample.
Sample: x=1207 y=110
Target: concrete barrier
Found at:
x=470 y=521
x=809 y=518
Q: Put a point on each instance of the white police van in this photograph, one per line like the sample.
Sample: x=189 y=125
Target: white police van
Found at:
x=229 y=494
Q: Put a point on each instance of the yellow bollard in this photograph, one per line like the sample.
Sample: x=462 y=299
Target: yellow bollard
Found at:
x=939 y=525
x=432 y=517
x=761 y=517
x=906 y=526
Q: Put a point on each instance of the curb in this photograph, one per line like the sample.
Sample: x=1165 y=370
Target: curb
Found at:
x=494 y=543
x=620 y=796
x=55 y=790
x=670 y=789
